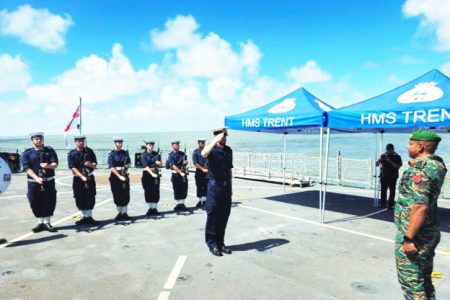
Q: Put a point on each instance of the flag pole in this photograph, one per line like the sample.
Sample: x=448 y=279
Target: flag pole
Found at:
x=80 y=115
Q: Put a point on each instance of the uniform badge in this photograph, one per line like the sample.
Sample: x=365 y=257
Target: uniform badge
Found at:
x=412 y=162
x=417 y=178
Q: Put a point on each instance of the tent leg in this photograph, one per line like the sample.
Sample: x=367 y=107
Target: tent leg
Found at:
x=327 y=152
x=284 y=163
x=375 y=176
x=320 y=173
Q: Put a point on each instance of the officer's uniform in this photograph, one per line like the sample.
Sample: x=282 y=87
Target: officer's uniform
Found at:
x=218 y=201
x=201 y=178
x=179 y=183
x=120 y=189
x=42 y=198
x=420 y=183
x=149 y=183
x=83 y=191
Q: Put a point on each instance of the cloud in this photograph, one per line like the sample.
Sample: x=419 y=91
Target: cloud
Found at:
x=445 y=68
x=97 y=80
x=223 y=88
x=410 y=60
x=310 y=72
x=207 y=56
x=36 y=27
x=14 y=74
x=370 y=65
x=433 y=16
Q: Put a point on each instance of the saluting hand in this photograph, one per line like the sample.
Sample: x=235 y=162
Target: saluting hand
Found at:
x=218 y=137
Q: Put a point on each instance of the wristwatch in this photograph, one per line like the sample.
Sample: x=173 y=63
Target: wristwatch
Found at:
x=408 y=239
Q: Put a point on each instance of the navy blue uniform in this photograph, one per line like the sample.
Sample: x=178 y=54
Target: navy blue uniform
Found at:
x=218 y=201
x=201 y=179
x=83 y=192
x=120 y=189
x=150 y=184
x=42 y=198
x=179 y=183
x=388 y=178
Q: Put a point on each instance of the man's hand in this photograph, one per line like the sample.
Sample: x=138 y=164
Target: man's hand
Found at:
x=154 y=175
x=43 y=165
x=39 y=180
x=84 y=178
x=182 y=174
x=218 y=137
x=123 y=178
x=409 y=248
x=205 y=170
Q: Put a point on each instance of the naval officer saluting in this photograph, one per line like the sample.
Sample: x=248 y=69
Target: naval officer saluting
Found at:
x=218 y=199
x=39 y=163
x=82 y=161
x=119 y=162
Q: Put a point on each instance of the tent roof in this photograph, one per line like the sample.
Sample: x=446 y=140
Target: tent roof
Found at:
x=421 y=103
x=297 y=112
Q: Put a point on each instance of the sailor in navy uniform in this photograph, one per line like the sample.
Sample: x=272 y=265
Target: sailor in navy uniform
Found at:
x=119 y=162
x=39 y=163
x=151 y=161
x=82 y=161
x=177 y=162
x=218 y=201
x=201 y=171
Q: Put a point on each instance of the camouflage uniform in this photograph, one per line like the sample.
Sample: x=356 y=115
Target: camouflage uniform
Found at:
x=420 y=183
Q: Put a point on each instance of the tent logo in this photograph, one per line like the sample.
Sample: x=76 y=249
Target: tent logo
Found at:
x=422 y=92
x=288 y=104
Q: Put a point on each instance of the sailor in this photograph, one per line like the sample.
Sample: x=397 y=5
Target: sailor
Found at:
x=218 y=201
x=201 y=171
x=82 y=161
x=119 y=162
x=39 y=163
x=151 y=161
x=177 y=162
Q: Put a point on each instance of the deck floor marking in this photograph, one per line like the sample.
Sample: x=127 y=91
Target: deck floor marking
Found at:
x=326 y=225
x=172 y=279
x=55 y=223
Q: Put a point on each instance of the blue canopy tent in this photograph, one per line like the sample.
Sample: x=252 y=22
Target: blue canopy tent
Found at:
x=421 y=103
x=299 y=112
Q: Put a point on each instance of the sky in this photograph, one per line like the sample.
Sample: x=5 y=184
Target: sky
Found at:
x=155 y=66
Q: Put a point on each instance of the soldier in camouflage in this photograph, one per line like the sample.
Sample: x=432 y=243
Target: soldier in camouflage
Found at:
x=416 y=216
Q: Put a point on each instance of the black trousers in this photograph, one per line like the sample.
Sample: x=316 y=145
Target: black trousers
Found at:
x=218 y=208
x=120 y=190
x=42 y=202
x=201 y=181
x=180 y=186
x=84 y=192
x=388 y=183
x=151 y=188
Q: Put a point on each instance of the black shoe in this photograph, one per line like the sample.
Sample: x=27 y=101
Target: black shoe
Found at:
x=149 y=212
x=82 y=221
x=199 y=204
x=125 y=216
x=48 y=227
x=156 y=212
x=38 y=228
x=177 y=207
x=215 y=251
x=118 y=217
x=3 y=241
x=183 y=207
x=225 y=250
x=91 y=221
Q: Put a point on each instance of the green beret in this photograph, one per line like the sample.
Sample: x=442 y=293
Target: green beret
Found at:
x=425 y=135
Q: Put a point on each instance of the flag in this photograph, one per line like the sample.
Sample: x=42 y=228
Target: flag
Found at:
x=75 y=117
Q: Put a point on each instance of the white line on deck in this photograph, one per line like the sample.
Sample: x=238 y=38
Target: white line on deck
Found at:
x=22 y=237
x=164 y=295
x=327 y=226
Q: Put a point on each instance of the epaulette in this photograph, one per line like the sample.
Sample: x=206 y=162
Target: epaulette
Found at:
x=418 y=164
x=48 y=148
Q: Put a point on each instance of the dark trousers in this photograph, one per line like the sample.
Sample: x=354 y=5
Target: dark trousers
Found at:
x=84 y=192
x=180 y=186
x=151 y=188
x=217 y=207
x=388 y=183
x=201 y=181
x=42 y=202
x=120 y=190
